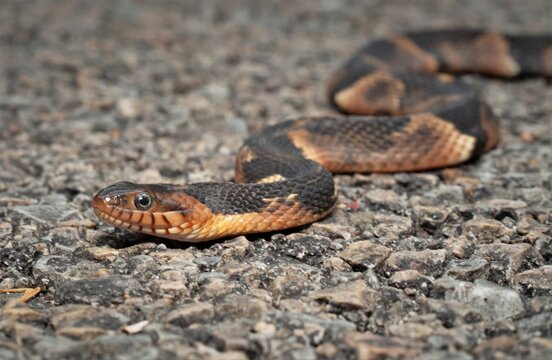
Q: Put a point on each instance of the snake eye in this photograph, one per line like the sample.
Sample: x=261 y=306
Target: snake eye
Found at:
x=143 y=201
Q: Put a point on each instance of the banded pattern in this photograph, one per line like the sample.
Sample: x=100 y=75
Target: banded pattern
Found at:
x=404 y=115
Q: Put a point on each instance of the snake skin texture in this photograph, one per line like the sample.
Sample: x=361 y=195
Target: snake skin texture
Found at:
x=404 y=114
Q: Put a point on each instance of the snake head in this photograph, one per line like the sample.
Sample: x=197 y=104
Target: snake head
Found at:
x=161 y=209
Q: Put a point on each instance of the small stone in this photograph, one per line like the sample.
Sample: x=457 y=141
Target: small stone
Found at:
x=327 y=350
x=292 y=285
x=508 y=259
x=136 y=327
x=61 y=269
x=384 y=199
x=370 y=346
x=540 y=304
x=46 y=214
x=429 y=217
x=468 y=184
x=386 y=181
x=86 y=322
x=500 y=208
x=492 y=301
x=102 y=253
x=427 y=262
x=501 y=347
x=294 y=306
x=417 y=180
x=535 y=282
x=453 y=313
x=412 y=279
x=190 y=314
x=460 y=246
x=129 y=107
x=174 y=275
x=249 y=273
x=235 y=248
x=21 y=313
x=526 y=225
x=528 y=136
x=241 y=306
x=174 y=256
x=66 y=237
x=335 y=263
x=141 y=265
x=540 y=347
x=392 y=226
x=535 y=324
x=343 y=277
x=445 y=194
x=111 y=345
x=216 y=287
x=105 y=291
x=331 y=230
x=355 y=295
x=411 y=331
x=264 y=328
x=81 y=333
x=5 y=228
x=468 y=270
x=208 y=262
x=534 y=196
x=173 y=289
x=365 y=254
x=487 y=230
x=231 y=335
x=78 y=223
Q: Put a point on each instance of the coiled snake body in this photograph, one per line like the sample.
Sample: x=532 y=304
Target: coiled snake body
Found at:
x=404 y=116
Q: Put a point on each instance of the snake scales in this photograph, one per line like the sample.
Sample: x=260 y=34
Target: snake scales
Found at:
x=404 y=115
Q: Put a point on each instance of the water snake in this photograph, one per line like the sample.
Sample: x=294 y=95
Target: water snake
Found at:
x=401 y=113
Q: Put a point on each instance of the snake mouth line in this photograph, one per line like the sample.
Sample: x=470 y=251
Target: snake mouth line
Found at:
x=165 y=231
x=118 y=222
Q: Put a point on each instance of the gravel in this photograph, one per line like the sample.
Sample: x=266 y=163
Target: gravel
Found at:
x=449 y=264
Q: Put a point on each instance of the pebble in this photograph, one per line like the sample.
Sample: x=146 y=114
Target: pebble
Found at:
x=102 y=253
x=384 y=199
x=335 y=263
x=392 y=226
x=107 y=290
x=189 y=314
x=412 y=281
x=508 y=259
x=354 y=295
x=468 y=269
x=240 y=306
x=365 y=254
x=46 y=214
x=535 y=282
x=427 y=262
x=491 y=300
x=453 y=313
x=487 y=231
x=367 y=344
x=430 y=217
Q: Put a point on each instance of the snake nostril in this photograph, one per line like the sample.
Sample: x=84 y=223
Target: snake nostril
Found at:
x=102 y=201
x=113 y=200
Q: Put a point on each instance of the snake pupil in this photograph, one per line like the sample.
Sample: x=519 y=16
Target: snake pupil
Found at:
x=143 y=201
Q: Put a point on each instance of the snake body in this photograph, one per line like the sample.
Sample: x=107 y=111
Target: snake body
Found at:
x=404 y=114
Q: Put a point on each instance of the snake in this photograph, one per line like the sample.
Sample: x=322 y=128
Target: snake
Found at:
x=399 y=108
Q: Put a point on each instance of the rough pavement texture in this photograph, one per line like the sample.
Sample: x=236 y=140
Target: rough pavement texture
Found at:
x=451 y=264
